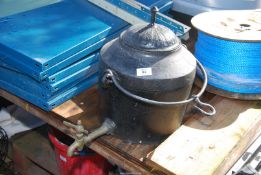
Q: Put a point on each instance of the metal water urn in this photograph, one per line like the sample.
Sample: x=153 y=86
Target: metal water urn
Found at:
x=146 y=76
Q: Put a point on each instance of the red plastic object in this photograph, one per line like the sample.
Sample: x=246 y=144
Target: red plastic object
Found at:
x=89 y=163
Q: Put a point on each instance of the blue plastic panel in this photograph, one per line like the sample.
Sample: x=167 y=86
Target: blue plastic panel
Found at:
x=144 y=13
x=74 y=77
x=10 y=62
x=43 y=37
x=55 y=100
x=73 y=69
x=24 y=82
x=58 y=82
x=161 y=4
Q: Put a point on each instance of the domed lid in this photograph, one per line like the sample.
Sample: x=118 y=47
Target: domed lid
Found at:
x=150 y=37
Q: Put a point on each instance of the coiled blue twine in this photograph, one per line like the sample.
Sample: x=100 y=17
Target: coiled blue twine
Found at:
x=233 y=66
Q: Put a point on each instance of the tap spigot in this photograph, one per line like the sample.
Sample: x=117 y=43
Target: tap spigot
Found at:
x=80 y=132
x=83 y=137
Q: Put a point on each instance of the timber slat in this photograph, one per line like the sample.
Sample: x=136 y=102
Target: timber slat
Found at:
x=211 y=145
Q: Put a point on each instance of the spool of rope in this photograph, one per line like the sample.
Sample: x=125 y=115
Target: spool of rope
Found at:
x=229 y=47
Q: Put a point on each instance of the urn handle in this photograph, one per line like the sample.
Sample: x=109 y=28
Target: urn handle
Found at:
x=109 y=78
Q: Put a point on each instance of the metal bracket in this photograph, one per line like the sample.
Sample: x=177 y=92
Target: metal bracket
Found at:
x=134 y=12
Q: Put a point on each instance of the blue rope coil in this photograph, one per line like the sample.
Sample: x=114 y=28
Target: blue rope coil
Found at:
x=233 y=66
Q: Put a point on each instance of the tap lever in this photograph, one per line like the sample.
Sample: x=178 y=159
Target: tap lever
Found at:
x=79 y=129
x=69 y=125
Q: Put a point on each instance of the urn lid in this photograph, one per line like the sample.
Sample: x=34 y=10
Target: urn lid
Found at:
x=150 y=37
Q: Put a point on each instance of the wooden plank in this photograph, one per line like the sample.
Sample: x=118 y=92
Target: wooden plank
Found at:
x=211 y=145
x=239 y=150
x=25 y=166
x=36 y=147
x=83 y=107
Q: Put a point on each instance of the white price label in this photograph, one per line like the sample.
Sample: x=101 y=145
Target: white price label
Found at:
x=144 y=72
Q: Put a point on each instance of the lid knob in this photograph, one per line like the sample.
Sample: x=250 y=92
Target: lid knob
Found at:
x=152 y=37
x=154 y=10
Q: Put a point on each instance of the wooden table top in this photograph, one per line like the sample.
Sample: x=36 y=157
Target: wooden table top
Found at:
x=133 y=157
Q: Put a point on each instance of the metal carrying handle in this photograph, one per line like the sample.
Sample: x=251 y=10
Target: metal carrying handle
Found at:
x=110 y=78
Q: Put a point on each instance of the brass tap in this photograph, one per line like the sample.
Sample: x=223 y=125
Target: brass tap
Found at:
x=83 y=137
x=79 y=137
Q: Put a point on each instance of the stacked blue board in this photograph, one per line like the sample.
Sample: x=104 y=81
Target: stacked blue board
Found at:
x=50 y=54
x=55 y=83
x=54 y=36
x=23 y=87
